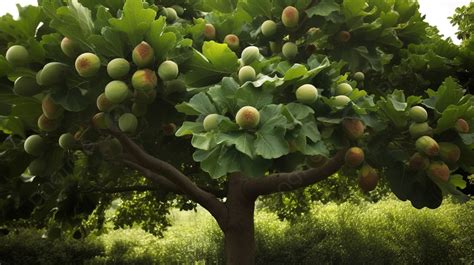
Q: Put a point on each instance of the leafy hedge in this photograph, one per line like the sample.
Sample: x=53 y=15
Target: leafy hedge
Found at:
x=388 y=232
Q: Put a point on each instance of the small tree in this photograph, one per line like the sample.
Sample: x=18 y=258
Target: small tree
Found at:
x=263 y=97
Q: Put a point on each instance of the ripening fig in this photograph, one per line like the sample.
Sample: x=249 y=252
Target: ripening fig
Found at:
x=316 y=161
x=171 y=15
x=461 y=126
x=341 y=101
x=143 y=54
x=211 y=122
x=34 y=145
x=247 y=117
x=118 y=68
x=168 y=70
x=438 y=170
x=69 y=47
x=103 y=104
x=179 y=9
x=418 y=114
x=418 y=162
x=26 y=86
x=359 y=76
x=343 y=89
x=307 y=94
x=116 y=91
x=290 y=17
x=289 y=50
x=87 y=64
x=427 y=146
x=247 y=73
x=17 y=55
x=368 y=178
x=50 y=109
x=449 y=152
x=168 y=129
x=209 y=32
x=144 y=96
x=67 y=141
x=354 y=128
x=354 y=157
x=52 y=73
x=128 y=123
x=99 y=121
x=275 y=47
x=249 y=55
x=174 y=86
x=344 y=36
x=139 y=109
x=417 y=130
x=144 y=79
x=47 y=125
x=268 y=28
x=232 y=41
x=37 y=167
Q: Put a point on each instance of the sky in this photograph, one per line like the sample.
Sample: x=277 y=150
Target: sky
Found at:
x=436 y=11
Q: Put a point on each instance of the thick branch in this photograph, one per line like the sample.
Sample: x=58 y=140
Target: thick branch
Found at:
x=188 y=187
x=281 y=182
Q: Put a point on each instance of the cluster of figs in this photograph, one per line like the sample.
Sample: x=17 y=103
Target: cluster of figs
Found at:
x=435 y=158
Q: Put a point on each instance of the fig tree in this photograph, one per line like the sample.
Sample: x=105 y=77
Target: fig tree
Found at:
x=290 y=17
x=118 y=68
x=344 y=36
x=359 y=76
x=209 y=32
x=211 y=122
x=99 y=121
x=103 y=104
x=307 y=94
x=418 y=114
x=87 y=64
x=139 y=109
x=26 y=86
x=17 y=55
x=427 y=145
x=420 y=129
x=168 y=70
x=143 y=55
x=144 y=96
x=47 y=125
x=168 y=129
x=52 y=73
x=316 y=161
x=247 y=73
x=171 y=15
x=179 y=9
x=289 y=50
x=275 y=47
x=174 y=86
x=232 y=41
x=37 y=167
x=111 y=147
x=354 y=128
x=116 y=91
x=341 y=101
x=268 y=28
x=144 y=79
x=69 y=47
x=418 y=162
x=247 y=117
x=67 y=141
x=128 y=123
x=449 y=152
x=462 y=126
x=343 y=89
x=354 y=157
x=368 y=178
x=249 y=55
x=34 y=145
x=438 y=170
x=50 y=109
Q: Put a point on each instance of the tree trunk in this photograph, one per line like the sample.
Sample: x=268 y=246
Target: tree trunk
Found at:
x=239 y=234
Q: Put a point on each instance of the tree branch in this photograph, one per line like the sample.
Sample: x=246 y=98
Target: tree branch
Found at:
x=281 y=182
x=188 y=187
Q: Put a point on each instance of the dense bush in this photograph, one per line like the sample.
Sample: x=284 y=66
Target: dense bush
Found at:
x=388 y=232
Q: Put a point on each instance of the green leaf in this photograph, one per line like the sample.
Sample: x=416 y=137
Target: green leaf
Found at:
x=296 y=71
x=220 y=56
x=218 y=161
x=250 y=96
x=458 y=181
x=323 y=8
x=224 y=6
x=449 y=117
x=12 y=125
x=189 y=128
x=135 y=21
x=109 y=44
x=353 y=8
x=199 y=104
x=162 y=42
x=203 y=141
x=299 y=111
x=271 y=144
x=449 y=93
x=243 y=142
